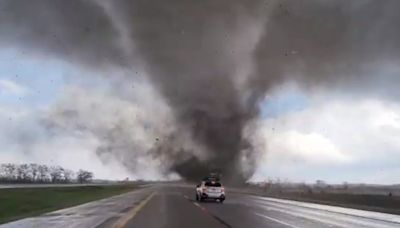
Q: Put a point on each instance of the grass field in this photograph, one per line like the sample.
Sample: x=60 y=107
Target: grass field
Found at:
x=18 y=203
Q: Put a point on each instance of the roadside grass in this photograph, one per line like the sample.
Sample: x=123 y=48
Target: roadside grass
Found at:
x=19 y=203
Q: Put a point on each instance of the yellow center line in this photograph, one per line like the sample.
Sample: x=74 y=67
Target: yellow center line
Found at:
x=128 y=216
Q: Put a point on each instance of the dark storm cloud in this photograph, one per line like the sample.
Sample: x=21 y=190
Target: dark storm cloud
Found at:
x=79 y=31
x=330 y=43
x=185 y=45
x=186 y=48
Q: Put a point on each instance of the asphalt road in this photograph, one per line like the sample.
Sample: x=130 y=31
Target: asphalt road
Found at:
x=174 y=206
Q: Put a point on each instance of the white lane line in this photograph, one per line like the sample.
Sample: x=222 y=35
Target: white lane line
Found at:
x=199 y=206
x=323 y=216
x=121 y=222
x=185 y=196
x=276 y=220
x=329 y=221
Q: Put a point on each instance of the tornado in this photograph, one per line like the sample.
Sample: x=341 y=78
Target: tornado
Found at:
x=214 y=61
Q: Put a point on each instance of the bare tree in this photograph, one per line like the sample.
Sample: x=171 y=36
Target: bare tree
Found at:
x=84 y=176
x=56 y=174
x=3 y=175
x=35 y=173
x=23 y=173
x=68 y=175
x=34 y=170
x=43 y=173
x=9 y=172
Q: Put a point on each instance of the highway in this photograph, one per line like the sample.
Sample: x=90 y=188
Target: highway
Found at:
x=174 y=206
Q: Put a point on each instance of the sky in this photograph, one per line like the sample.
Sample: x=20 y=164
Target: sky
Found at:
x=32 y=88
x=288 y=91
x=340 y=140
x=303 y=136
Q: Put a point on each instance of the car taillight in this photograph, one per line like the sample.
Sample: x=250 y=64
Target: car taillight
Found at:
x=204 y=189
x=223 y=190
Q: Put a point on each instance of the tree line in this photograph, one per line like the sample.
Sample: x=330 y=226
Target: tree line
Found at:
x=36 y=173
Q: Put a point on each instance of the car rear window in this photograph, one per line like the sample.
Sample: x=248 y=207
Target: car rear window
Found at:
x=211 y=184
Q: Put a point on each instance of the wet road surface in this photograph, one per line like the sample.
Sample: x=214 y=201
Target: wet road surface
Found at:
x=174 y=206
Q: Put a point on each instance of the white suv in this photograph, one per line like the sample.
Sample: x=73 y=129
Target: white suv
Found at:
x=210 y=190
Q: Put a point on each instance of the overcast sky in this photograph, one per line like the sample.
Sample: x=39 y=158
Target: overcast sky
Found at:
x=328 y=110
x=308 y=136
